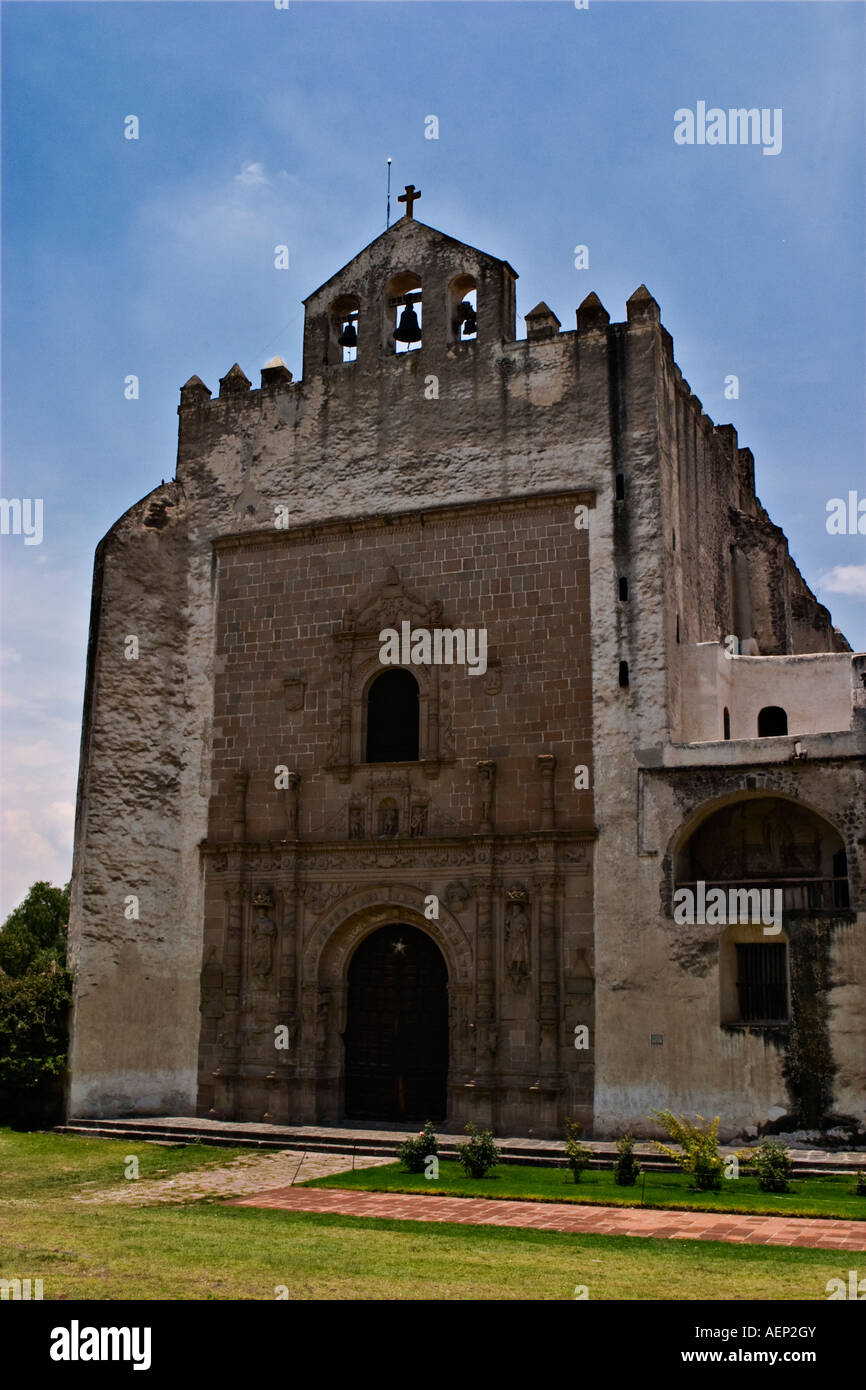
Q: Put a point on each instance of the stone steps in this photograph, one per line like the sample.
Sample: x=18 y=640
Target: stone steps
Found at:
x=378 y=1142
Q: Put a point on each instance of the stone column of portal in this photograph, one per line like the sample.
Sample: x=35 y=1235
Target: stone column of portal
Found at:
x=280 y=1102
x=485 y=792
x=285 y=1057
x=292 y=805
x=307 y=1070
x=486 y=1033
x=549 y=1003
x=484 y=1019
x=224 y=1076
x=432 y=749
x=547 y=767
x=239 y=823
x=346 y=708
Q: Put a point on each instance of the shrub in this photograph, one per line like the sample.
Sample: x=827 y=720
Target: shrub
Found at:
x=772 y=1163
x=413 y=1153
x=699 y=1148
x=480 y=1154
x=577 y=1155
x=626 y=1168
x=860 y=1189
x=33 y=1013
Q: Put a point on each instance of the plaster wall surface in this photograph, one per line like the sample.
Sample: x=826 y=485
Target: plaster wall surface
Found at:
x=816 y=690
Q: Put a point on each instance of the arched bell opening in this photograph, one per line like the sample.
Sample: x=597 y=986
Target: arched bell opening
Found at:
x=343 y=320
x=463 y=309
x=403 y=313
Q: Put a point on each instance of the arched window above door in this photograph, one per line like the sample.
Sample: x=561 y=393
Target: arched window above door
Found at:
x=393 y=718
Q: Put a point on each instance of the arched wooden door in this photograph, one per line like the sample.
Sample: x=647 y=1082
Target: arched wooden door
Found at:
x=397 y=1028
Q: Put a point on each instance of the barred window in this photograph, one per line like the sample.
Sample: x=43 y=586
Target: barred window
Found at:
x=762 y=983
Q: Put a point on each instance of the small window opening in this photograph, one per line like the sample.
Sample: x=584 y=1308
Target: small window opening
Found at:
x=675 y=540
x=343 y=344
x=620 y=487
x=762 y=983
x=623 y=673
x=409 y=316
x=393 y=718
x=403 y=312
x=726 y=722
x=678 y=627
x=348 y=339
x=623 y=588
x=467 y=310
x=772 y=722
x=841 y=896
x=463 y=297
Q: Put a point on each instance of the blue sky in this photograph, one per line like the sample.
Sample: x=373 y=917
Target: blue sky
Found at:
x=261 y=127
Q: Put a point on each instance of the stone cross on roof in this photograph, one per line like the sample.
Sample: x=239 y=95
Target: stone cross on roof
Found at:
x=409 y=197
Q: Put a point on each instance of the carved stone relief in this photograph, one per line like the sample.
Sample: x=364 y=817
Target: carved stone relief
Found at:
x=518 y=936
x=264 y=931
x=457 y=895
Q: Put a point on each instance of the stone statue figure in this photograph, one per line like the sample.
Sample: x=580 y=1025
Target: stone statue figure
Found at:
x=517 y=942
x=388 y=821
x=264 y=931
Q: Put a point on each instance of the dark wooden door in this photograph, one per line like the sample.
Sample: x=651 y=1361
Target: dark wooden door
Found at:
x=397 y=1028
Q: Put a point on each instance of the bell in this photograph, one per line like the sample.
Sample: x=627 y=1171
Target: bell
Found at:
x=468 y=321
x=349 y=337
x=408 y=329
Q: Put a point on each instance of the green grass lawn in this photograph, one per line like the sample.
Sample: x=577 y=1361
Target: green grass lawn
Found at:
x=206 y=1250
x=808 y=1196
x=41 y=1165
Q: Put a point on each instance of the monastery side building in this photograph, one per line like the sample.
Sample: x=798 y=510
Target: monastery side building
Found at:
x=461 y=742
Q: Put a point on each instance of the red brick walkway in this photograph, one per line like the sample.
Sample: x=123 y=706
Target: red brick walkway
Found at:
x=576 y=1219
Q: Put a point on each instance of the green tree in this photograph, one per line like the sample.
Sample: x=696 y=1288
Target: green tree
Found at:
x=34 y=933
x=35 y=993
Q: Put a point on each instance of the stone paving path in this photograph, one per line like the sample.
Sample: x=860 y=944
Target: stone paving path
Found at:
x=243 y=1175
x=577 y=1219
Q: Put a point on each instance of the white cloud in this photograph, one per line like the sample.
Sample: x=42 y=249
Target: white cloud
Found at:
x=22 y=835
x=38 y=845
x=253 y=175
x=60 y=817
x=244 y=213
x=40 y=753
x=845 y=579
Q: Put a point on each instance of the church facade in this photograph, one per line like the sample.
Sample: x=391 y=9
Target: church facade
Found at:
x=461 y=742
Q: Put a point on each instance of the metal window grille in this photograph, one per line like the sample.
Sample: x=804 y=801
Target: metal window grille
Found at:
x=762 y=982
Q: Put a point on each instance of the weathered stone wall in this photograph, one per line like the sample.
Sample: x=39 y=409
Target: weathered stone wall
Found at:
x=135 y=933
